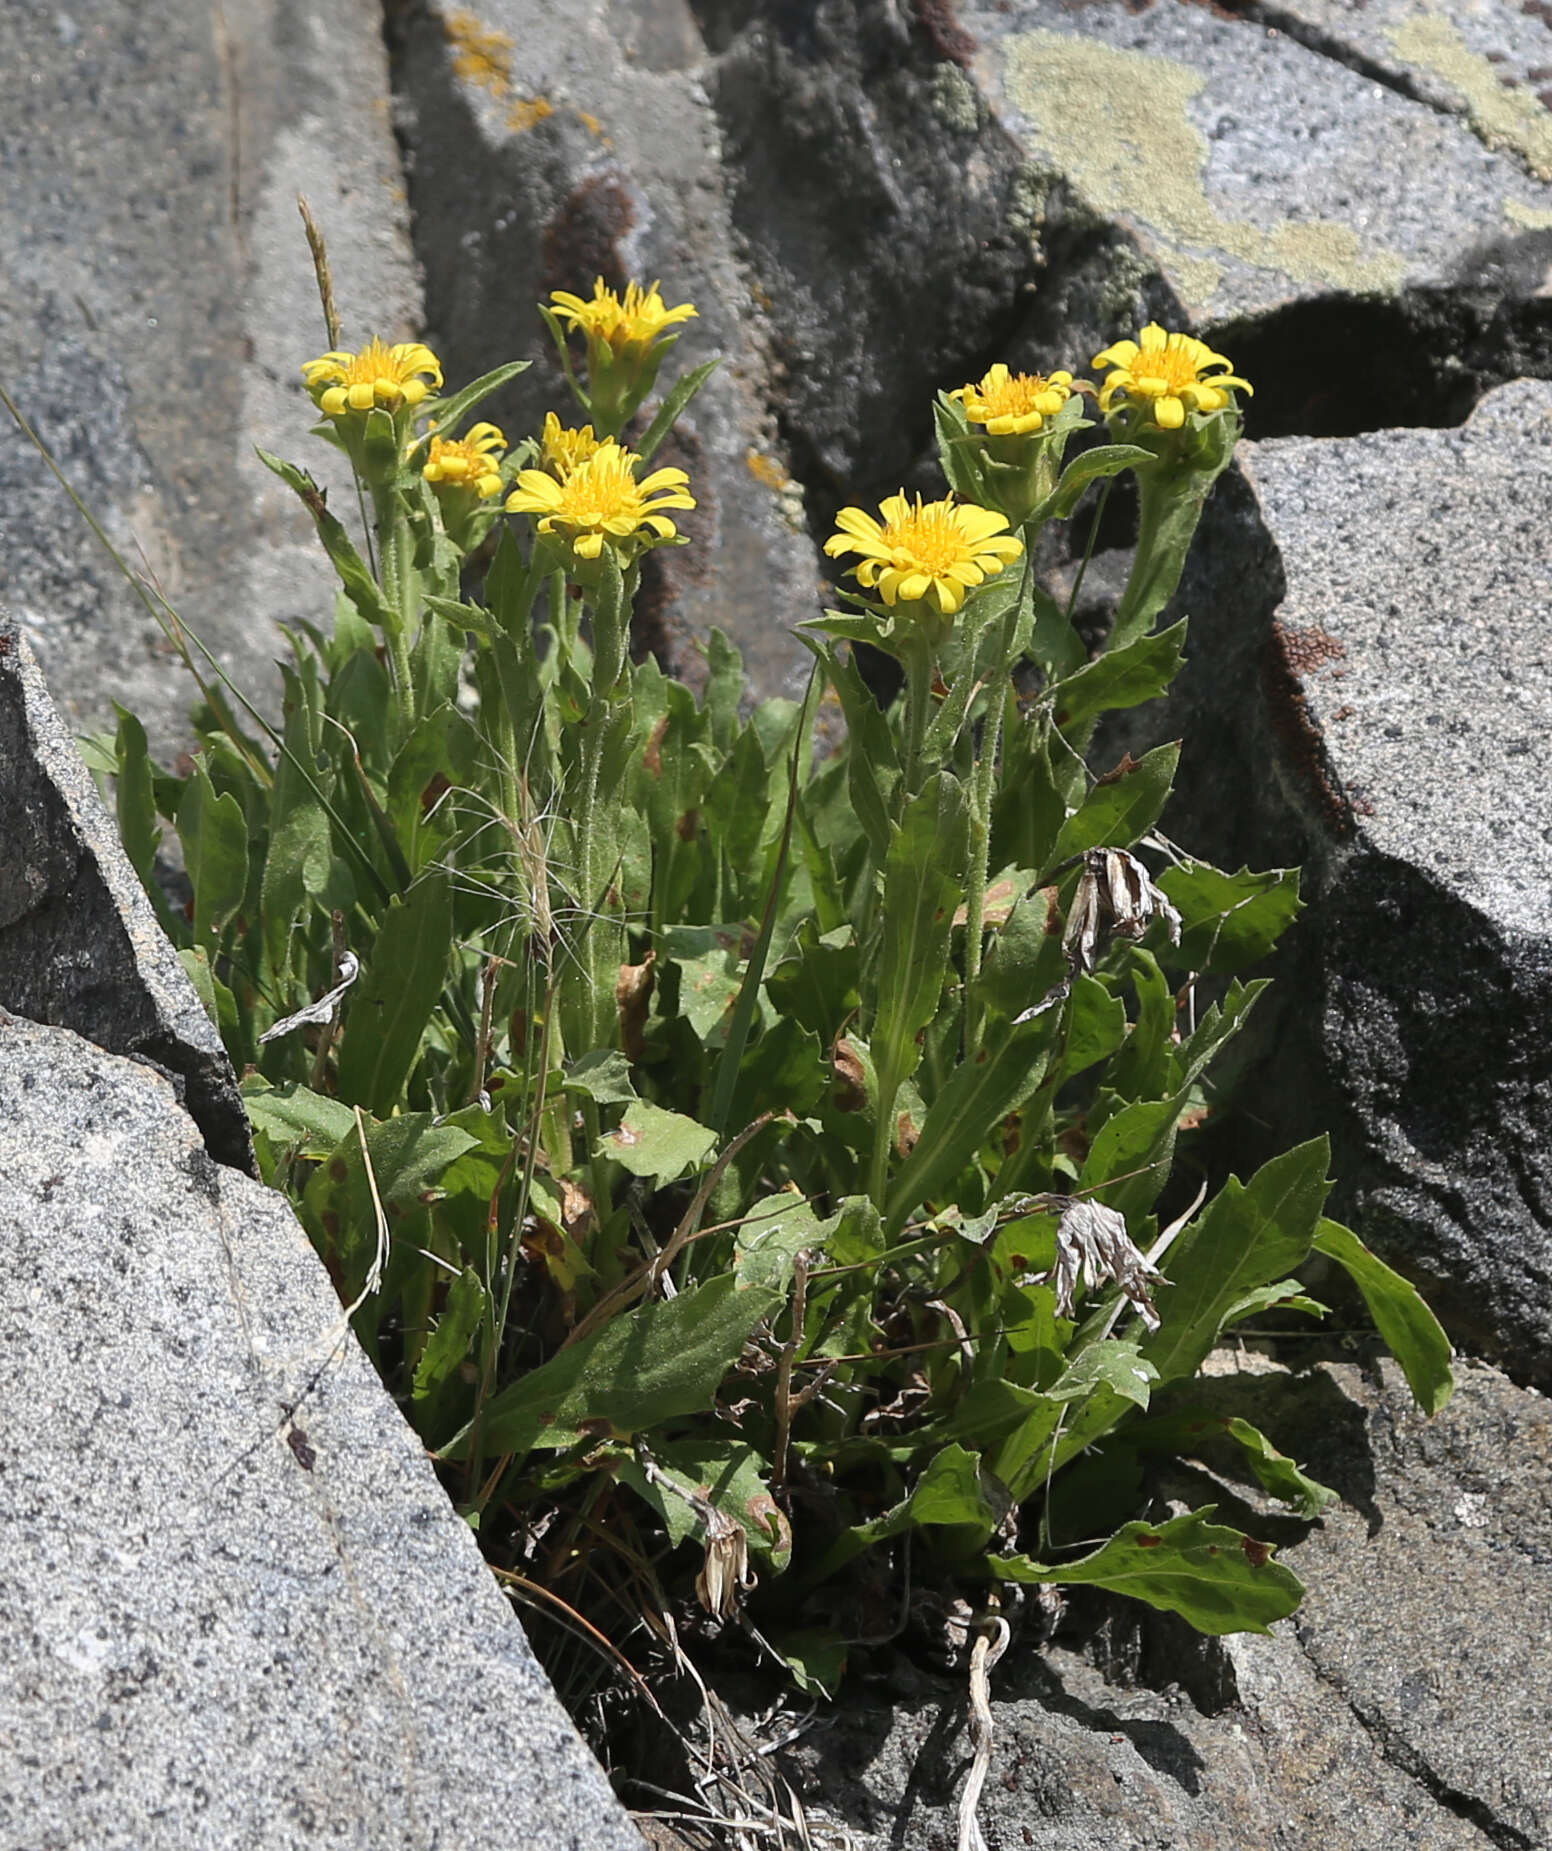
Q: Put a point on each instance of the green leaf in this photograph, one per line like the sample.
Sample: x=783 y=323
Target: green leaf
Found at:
x=1129 y=1161
x=1105 y=459
x=293 y=1115
x=1123 y=806
x=1215 y=1577
x=672 y=407
x=816 y=1658
x=1145 y=1067
x=359 y=585
x=1412 y=1333
x=448 y=1344
x=215 y=852
x=604 y=1076
x=392 y=1001
x=297 y=861
x=1096 y=1025
x=815 y=984
x=449 y=413
x=657 y=1362
x=727 y=1474
x=872 y=761
x=1249 y=1235
x=662 y=1146
x=1283 y=1477
x=980 y=1093
x=135 y=797
x=922 y=877
x=1120 y=678
x=1228 y=920
x=772 y=1235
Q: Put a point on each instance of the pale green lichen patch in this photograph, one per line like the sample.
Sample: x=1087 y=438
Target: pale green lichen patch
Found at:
x=1533 y=218
x=1504 y=118
x=1118 y=123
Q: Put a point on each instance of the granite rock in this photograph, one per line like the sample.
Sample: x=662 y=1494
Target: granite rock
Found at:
x=157 y=306
x=238 y=1609
x=547 y=144
x=1368 y=693
x=79 y=944
x=1400 y=1710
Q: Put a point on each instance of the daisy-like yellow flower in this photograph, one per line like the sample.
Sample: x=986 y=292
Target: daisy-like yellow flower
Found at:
x=632 y=326
x=1014 y=404
x=935 y=552
x=563 y=451
x=377 y=376
x=471 y=462
x=1165 y=373
x=602 y=500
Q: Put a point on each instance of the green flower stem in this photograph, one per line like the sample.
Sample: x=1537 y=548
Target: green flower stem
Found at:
x=920 y=659
x=395 y=549
x=982 y=788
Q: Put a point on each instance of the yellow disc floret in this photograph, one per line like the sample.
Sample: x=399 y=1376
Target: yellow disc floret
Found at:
x=935 y=552
x=1014 y=404
x=1165 y=373
x=381 y=376
x=631 y=326
x=471 y=462
x=563 y=451
x=602 y=500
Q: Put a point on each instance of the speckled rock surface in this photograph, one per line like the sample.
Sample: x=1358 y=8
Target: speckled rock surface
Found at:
x=1369 y=695
x=79 y=945
x=1402 y=1710
x=157 y=305
x=548 y=144
x=237 y=1608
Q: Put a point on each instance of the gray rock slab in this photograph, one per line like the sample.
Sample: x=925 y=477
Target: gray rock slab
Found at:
x=551 y=143
x=1256 y=171
x=1402 y=1709
x=79 y=944
x=237 y=1610
x=1369 y=694
x=156 y=308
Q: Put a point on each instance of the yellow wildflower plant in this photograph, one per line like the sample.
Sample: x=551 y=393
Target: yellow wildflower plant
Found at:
x=1014 y=404
x=471 y=463
x=562 y=451
x=1167 y=375
x=934 y=553
x=601 y=501
x=378 y=377
x=631 y=325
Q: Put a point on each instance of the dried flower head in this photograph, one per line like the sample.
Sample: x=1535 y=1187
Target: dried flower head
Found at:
x=1116 y=898
x=1092 y=1245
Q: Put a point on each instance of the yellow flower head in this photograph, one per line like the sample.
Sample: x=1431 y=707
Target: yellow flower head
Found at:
x=1164 y=372
x=377 y=376
x=1014 y=404
x=937 y=552
x=632 y=327
x=471 y=462
x=602 y=500
x=563 y=451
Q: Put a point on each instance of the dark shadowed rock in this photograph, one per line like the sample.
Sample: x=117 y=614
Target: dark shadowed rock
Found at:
x=79 y=945
x=236 y=1607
